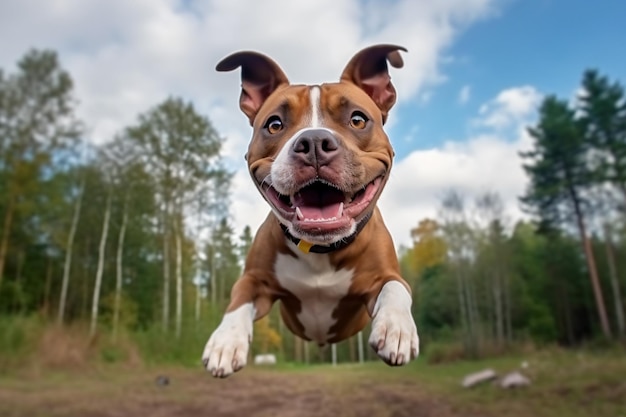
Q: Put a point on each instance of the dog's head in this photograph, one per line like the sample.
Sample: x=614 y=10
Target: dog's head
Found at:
x=318 y=153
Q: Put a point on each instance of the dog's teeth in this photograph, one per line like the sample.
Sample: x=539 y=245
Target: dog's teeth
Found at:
x=299 y=213
x=339 y=211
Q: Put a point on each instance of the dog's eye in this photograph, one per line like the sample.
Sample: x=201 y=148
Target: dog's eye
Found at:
x=358 y=120
x=274 y=125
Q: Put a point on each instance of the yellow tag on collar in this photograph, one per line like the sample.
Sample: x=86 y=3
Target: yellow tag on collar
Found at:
x=305 y=246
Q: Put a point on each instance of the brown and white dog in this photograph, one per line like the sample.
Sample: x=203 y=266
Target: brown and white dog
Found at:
x=320 y=158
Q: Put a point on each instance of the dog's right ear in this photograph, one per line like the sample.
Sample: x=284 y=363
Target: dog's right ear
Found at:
x=260 y=77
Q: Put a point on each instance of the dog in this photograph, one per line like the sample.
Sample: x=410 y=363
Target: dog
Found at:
x=320 y=158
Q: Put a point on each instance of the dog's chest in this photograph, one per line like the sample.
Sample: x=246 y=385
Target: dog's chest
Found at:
x=318 y=285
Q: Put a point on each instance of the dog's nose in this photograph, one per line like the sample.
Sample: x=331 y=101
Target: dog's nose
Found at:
x=315 y=147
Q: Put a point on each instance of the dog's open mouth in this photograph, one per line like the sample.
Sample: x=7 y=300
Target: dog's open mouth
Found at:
x=320 y=207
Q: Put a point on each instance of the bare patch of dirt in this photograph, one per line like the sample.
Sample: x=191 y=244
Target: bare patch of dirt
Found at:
x=253 y=392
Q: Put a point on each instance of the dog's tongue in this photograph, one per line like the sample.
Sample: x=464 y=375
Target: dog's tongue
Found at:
x=318 y=202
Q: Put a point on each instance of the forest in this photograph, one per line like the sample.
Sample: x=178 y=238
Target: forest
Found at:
x=126 y=248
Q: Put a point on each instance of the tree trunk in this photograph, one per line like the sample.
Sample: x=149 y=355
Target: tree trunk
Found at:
x=198 y=305
x=46 y=293
x=617 y=296
x=462 y=308
x=6 y=234
x=119 y=270
x=95 y=304
x=508 y=325
x=499 y=315
x=593 y=274
x=360 y=346
x=179 y=279
x=352 y=350
x=166 y=273
x=591 y=264
x=68 y=254
x=474 y=319
x=84 y=307
x=213 y=281
x=467 y=302
x=297 y=349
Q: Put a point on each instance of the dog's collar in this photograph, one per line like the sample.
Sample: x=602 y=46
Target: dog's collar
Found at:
x=307 y=247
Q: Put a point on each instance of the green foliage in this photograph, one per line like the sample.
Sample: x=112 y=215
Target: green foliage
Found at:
x=128 y=311
x=556 y=166
x=159 y=348
x=603 y=112
x=18 y=337
x=541 y=326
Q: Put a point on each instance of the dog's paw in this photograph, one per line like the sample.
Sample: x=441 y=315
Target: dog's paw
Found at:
x=394 y=334
x=394 y=337
x=226 y=351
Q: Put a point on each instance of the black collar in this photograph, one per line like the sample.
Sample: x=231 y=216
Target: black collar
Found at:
x=307 y=247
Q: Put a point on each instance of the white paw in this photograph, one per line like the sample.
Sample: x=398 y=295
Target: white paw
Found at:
x=394 y=337
x=394 y=334
x=226 y=351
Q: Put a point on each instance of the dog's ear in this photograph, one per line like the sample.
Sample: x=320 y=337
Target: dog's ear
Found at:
x=260 y=76
x=368 y=70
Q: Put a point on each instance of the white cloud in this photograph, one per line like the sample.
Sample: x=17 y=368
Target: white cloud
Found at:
x=509 y=108
x=126 y=57
x=486 y=162
x=465 y=94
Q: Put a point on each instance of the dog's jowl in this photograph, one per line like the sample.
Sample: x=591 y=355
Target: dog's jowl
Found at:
x=320 y=158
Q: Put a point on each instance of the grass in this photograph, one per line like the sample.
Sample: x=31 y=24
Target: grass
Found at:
x=564 y=383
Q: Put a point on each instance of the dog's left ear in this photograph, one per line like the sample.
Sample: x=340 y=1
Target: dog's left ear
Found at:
x=368 y=70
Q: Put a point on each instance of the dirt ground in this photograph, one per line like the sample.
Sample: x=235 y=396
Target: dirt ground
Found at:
x=252 y=392
x=564 y=384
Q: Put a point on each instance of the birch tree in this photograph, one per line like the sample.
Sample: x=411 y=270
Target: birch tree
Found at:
x=95 y=304
x=68 y=253
x=461 y=255
x=181 y=151
x=490 y=211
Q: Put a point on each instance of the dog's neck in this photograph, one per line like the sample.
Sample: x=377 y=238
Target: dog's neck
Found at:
x=308 y=247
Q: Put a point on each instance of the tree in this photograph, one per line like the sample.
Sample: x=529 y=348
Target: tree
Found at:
x=461 y=255
x=68 y=252
x=181 y=151
x=559 y=174
x=245 y=242
x=494 y=252
x=603 y=113
x=429 y=248
x=223 y=261
x=602 y=109
x=36 y=123
x=100 y=269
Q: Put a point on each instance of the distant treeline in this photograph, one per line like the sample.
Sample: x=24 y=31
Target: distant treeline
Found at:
x=489 y=281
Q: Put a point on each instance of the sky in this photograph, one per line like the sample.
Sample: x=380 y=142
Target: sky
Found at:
x=474 y=75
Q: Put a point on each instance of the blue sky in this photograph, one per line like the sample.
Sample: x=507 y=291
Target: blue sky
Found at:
x=503 y=56
x=543 y=43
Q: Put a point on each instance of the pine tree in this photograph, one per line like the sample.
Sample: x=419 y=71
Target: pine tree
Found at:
x=559 y=174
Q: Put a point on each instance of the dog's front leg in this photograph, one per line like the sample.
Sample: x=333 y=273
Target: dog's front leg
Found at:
x=226 y=351
x=394 y=334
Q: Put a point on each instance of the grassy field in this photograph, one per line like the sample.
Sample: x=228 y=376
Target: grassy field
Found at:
x=568 y=384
